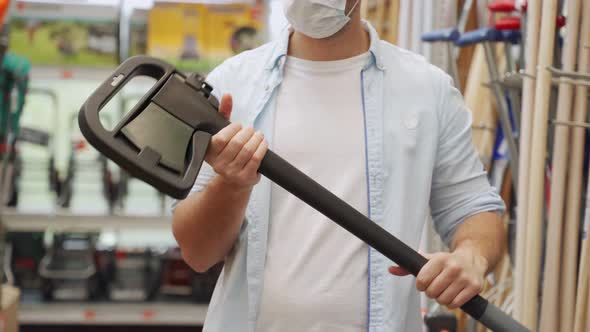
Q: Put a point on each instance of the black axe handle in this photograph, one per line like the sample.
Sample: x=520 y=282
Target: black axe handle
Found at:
x=297 y=183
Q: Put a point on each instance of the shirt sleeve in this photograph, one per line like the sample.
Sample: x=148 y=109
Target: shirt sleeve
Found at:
x=460 y=186
x=206 y=174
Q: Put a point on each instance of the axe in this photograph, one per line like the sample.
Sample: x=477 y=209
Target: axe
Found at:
x=164 y=138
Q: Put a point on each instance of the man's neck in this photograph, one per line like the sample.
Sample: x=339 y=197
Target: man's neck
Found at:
x=351 y=41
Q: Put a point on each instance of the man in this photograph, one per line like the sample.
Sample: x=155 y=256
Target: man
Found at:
x=376 y=125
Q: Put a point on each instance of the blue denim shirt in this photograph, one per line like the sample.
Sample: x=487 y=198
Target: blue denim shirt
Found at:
x=419 y=161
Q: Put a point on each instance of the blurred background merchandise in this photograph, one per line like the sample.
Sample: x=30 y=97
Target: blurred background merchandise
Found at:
x=84 y=243
x=200 y=36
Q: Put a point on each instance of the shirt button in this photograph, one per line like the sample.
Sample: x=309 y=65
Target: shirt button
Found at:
x=411 y=122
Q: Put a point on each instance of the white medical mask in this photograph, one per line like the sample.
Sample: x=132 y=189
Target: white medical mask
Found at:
x=317 y=19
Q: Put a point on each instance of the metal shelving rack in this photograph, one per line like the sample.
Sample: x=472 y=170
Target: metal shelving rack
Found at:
x=112 y=314
x=31 y=222
x=158 y=313
x=33 y=313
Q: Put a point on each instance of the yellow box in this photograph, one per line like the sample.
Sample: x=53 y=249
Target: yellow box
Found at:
x=202 y=33
x=226 y=25
x=168 y=26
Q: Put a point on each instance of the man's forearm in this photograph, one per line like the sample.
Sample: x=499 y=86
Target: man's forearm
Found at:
x=484 y=236
x=207 y=224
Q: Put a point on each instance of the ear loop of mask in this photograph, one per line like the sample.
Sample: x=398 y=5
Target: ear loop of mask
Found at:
x=353 y=8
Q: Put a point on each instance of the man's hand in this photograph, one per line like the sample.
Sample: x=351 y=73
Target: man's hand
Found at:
x=235 y=153
x=451 y=279
x=207 y=224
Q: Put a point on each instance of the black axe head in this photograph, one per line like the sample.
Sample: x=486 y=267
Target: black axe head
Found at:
x=164 y=138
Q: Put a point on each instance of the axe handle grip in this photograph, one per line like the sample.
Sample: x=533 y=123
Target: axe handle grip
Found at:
x=297 y=183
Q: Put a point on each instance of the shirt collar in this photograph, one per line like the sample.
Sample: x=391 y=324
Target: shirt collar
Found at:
x=282 y=46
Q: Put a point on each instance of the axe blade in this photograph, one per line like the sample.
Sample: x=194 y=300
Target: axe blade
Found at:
x=160 y=131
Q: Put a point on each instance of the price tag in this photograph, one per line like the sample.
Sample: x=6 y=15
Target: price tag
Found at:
x=89 y=315
x=149 y=314
x=67 y=74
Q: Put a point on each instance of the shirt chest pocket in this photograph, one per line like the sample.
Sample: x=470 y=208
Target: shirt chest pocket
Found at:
x=409 y=142
x=405 y=129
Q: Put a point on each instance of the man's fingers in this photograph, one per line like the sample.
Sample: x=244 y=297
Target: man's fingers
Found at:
x=248 y=150
x=439 y=284
x=465 y=295
x=254 y=163
x=401 y=272
x=449 y=294
x=432 y=269
x=226 y=106
x=234 y=146
x=398 y=271
x=426 y=255
x=222 y=138
x=450 y=279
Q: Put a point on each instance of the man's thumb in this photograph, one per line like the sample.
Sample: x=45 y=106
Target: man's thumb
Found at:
x=226 y=105
x=398 y=271
x=401 y=272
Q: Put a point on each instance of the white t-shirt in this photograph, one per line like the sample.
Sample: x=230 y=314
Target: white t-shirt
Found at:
x=315 y=276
